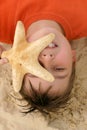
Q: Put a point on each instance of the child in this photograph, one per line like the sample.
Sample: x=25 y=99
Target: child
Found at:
x=67 y=20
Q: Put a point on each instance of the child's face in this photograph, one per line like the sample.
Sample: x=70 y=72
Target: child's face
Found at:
x=57 y=58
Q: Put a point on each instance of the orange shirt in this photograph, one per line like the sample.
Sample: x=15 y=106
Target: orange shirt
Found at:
x=71 y=14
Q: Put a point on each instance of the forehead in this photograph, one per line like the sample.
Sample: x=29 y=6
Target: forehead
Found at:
x=58 y=87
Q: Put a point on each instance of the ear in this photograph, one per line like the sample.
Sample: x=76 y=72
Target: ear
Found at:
x=74 y=55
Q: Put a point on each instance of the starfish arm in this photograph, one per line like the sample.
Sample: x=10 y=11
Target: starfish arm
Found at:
x=19 y=35
x=36 y=69
x=17 y=75
x=37 y=46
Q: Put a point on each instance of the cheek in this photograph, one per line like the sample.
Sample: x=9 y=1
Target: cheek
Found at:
x=64 y=57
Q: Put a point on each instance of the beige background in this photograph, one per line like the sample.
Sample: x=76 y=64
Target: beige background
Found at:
x=73 y=117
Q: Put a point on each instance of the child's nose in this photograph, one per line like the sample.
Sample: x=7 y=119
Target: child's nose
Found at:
x=46 y=59
x=47 y=56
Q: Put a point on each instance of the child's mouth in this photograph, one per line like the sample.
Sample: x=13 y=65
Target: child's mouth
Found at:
x=52 y=45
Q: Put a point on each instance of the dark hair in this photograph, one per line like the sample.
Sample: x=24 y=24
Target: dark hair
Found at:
x=43 y=101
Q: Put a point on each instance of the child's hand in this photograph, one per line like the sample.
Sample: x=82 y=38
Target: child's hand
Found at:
x=2 y=60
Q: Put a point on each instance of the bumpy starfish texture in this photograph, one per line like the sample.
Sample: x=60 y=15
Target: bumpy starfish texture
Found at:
x=23 y=57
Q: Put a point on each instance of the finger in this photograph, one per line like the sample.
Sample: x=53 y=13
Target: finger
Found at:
x=3 y=61
x=1 y=50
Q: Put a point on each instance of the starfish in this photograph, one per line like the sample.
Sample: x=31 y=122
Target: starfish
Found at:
x=23 y=57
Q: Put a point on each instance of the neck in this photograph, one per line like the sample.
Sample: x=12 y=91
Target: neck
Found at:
x=43 y=26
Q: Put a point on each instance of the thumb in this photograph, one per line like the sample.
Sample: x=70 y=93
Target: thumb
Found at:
x=3 y=61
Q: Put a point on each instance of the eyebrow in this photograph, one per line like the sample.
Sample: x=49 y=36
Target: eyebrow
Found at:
x=56 y=77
